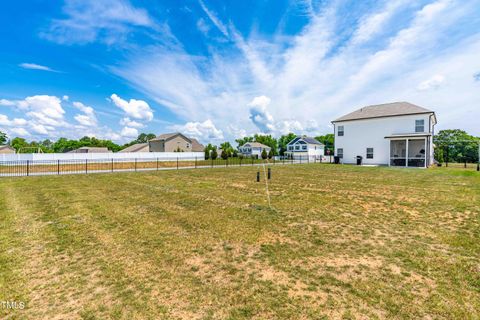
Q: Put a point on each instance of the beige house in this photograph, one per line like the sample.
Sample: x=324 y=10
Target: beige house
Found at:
x=173 y=142
x=90 y=150
x=138 y=147
x=6 y=149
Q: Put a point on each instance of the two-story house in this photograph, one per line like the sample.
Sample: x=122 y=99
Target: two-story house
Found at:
x=253 y=149
x=172 y=142
x=305 y=148
x=395 y=134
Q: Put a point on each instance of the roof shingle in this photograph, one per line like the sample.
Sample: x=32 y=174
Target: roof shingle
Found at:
x=384 y=110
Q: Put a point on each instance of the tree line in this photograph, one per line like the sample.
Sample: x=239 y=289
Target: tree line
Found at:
x=62 y=145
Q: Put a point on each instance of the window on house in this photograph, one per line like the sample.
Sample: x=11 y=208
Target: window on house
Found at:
x=340 y=131
x=420 y=125
x=290 y=147
x=340 y=153
x=369 y=153
x=304 y=147
x=297 y=147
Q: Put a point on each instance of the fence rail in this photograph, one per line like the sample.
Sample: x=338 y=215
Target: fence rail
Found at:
x=21 y=168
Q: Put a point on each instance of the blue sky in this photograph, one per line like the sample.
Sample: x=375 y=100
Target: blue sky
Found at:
x=217 y=70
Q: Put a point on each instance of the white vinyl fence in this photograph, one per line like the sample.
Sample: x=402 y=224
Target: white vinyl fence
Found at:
x=162 y=156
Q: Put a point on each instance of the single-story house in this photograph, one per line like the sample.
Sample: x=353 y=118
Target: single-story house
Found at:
x=305 y=147
x=172 y=142
x=138 y=147
x=7 y=149
x=90 y=150
x=397 y=134
x=253 y=149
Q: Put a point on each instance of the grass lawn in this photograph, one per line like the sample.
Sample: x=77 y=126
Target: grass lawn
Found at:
x=338 y=242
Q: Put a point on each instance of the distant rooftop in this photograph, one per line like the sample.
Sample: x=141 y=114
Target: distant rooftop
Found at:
x=384 y=110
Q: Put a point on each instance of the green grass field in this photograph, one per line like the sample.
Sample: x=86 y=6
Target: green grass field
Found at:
x=338 y=242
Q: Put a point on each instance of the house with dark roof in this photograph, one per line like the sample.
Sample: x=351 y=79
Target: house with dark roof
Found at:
x=303 y=147
x=396 y=134
x=174 y=142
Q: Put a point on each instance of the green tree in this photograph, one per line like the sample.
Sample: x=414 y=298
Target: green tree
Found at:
x=144 y=137
x=456 y=146
x=224 y=155
x=270 y=154
x=283 y=141
x=18 y=143
x=242 y=141
x=208 y=150
x=267 y=140
x=214 y=154
x=3 y=137
x=328 y=140
x=264 y=154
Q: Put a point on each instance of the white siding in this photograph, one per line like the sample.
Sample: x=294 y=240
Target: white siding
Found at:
x=370 y=133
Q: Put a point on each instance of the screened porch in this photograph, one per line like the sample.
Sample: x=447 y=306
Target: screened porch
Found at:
x=408 y=152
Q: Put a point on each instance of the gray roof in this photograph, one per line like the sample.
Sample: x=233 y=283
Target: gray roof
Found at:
x=135 y=147
x=384 y=110
x=309 y=140
x=168 y=136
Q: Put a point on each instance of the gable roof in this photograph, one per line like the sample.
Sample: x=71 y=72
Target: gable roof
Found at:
x=168 y=136
x=256 y=145
x=135 y=147
x=6 y=146
x=196 y=146
x=384 y=110
x=308 y=140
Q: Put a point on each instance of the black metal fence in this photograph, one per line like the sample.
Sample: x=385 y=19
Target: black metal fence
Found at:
x=59 y=167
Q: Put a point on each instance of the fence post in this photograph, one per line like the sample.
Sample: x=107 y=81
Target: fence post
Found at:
x=58 y=166
x=195 y=162
x=135 y=164
x=112 y=164
x=240 y=162
x=211 y=162
x=177 y=163
x=252 y=161
x=28 y=168
x=226 y=162
x=86 y=166
x=157 y=163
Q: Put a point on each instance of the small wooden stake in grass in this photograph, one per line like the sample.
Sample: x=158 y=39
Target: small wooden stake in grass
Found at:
x=269 y=173
x=258 y=176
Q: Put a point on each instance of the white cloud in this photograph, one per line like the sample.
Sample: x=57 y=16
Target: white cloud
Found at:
x=5 y=102
x=260 y=115
x=432 y=83
x=88 y=118
x=34 y=66
x=65 y=98
x=137 y=109
x=40 y=129
x=131 y=123
x=204 y=131
x=318 y=73
x=22 y=132
x=215 y=20
x=128 y=132
x=5 y=121
x=89 y=20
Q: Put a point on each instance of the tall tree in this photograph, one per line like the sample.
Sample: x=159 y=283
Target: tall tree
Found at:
x=209 y=148
x=242 y=141
x=3 y=138
x=455 y=145
x=328 y=140
x=283 y=141
x=267 y=140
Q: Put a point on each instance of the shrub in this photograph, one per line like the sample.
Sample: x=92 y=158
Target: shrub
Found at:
x=264 y=154
x=270 y=154
x=214 y=154
x=224 y=155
